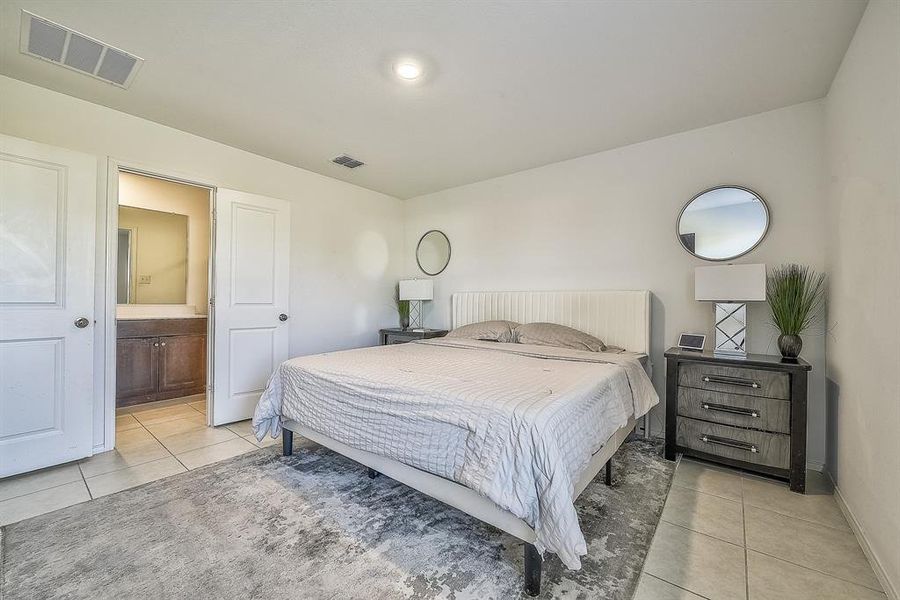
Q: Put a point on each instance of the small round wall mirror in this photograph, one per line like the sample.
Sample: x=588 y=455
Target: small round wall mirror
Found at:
x=433 y=252
x=723 y=223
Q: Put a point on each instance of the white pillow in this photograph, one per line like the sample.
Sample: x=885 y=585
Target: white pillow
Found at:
x=560 y=336
x=490 y=331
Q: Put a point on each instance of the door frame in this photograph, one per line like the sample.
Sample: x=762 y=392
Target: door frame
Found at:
x=108 y=308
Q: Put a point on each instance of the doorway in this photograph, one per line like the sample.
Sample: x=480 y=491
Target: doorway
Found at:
x=163 y=326
x=61 y=292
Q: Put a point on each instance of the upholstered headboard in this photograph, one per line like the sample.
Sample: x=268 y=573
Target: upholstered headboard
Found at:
x=619 y=318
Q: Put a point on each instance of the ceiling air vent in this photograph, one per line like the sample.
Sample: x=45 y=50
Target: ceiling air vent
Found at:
x=60 y=45
x=347 y=161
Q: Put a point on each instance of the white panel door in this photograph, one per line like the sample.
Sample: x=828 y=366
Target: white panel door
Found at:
x=251 y=300
x=48 y=203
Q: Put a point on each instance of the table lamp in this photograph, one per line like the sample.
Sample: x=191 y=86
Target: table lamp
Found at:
x=730 y=287
x=416 y=290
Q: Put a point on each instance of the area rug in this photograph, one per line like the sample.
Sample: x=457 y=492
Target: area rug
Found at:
x=314 y=526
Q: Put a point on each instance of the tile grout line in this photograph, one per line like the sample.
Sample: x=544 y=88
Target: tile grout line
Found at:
x=51 y=487
x=684 y=487
x=712 y=537
x=158 y=441
x=709 y=535
x=787 y=516
x=218 y=444
x=808 y=568
x=87 y=487
x=675 y=585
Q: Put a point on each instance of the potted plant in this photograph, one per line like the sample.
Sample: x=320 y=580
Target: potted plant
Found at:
x=402 y=309
x=795 y=294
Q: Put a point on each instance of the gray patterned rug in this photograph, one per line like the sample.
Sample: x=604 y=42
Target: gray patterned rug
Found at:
x=314 y=526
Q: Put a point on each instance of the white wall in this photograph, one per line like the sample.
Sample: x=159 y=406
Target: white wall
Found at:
x=863 y=258
x=607 y=221
x=346 y=240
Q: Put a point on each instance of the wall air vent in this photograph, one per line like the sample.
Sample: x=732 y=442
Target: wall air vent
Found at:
x=60 y=45
x=347 y=161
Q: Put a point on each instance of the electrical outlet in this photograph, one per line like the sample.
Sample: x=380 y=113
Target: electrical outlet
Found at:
x=144 y=280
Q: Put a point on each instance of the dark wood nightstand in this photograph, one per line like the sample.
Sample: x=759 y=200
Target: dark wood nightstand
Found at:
x=746 y=412
x=395 y=335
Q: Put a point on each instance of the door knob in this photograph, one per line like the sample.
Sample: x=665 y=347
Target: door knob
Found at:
x=282 y=317
x=82 y=322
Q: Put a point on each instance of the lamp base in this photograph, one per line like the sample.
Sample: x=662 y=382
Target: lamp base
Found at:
x=415 y=314
x=731 y=328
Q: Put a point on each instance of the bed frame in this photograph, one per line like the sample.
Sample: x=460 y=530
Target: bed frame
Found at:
x=619 y=318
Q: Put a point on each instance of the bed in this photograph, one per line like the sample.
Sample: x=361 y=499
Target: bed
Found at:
x=508 y=433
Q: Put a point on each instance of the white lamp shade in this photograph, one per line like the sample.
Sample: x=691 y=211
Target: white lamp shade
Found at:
x=416 y=289
x=730 y=283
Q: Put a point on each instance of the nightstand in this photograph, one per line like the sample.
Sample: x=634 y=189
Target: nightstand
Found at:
x=395 y=335
x=745 y=412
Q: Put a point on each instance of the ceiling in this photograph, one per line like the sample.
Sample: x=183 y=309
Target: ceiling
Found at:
x=507 y=85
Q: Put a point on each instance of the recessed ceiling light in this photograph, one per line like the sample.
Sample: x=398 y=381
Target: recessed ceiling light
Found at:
x=408 y=70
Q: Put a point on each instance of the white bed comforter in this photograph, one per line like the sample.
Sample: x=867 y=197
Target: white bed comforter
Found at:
x=517 y=423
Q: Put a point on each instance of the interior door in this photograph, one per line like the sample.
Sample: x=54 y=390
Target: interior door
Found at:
x=251 y=300
x=48 y=203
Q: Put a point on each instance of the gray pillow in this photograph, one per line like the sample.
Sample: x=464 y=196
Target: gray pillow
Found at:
x=491 y=331
x=551 y=334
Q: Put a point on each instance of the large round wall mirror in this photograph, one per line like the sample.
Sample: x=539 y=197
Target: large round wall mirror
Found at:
x=723 y=223
x=433 y=252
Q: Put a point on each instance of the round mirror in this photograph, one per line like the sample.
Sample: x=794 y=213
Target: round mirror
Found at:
x=723 y=223
x=433 y=252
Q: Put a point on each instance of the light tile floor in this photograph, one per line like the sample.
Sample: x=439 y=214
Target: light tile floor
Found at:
x=724 y=535
x=151 y=443
x=728 y=535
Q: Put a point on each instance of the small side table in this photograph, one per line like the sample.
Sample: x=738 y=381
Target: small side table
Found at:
x=395 y=335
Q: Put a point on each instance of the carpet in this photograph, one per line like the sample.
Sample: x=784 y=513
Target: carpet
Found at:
x=314 y=526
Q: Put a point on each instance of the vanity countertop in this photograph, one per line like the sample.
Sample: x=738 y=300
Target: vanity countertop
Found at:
x=158 y=318
x=144 y=312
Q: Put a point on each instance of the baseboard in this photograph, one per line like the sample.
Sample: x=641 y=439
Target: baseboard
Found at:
x=880 y=573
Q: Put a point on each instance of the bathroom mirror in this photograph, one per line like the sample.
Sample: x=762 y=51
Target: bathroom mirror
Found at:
x=433 y=252
x=152 y=257
x=723 y=223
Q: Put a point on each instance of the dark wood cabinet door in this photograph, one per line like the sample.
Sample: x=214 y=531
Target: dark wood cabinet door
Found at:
x=136 y=370
x=182 y=365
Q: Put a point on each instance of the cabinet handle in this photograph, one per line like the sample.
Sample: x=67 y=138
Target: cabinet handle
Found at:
x=162 y=344
x=734 y=410
x=720 y=441
x=730 y=381
x=155 y=344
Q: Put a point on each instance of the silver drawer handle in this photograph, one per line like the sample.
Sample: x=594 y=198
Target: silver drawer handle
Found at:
x=730 y=381
x=713 y=439
x=734 y=410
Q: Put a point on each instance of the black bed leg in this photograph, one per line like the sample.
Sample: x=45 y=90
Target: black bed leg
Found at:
x=373 y=473
x=287 y=442
x=609 y=471
x=533 y=562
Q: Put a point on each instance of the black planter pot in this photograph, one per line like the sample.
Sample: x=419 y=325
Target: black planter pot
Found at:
x=790 y=346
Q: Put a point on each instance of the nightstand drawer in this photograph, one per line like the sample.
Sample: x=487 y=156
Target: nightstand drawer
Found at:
x=735 y=380
x=767 y=414
x=757 y=447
